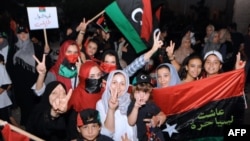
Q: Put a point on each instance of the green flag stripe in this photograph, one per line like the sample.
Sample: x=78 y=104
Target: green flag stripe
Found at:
x=114 y=12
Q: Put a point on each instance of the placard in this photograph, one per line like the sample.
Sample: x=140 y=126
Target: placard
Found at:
x=42 y=17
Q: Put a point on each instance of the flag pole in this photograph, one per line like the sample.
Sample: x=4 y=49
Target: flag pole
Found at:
x=99 y=14
x=16 y=129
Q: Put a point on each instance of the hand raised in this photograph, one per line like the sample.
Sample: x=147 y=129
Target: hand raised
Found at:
x=113 y=101
x=157 y=42
x=41 y=67
x=239 y=64
x=83 y=25
x=60 y=104
x=170 y=49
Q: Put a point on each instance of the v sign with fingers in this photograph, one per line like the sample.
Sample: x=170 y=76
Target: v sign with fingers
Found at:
x=170 y=49
x=60 y=103
x=113 y=101
x=41 y=67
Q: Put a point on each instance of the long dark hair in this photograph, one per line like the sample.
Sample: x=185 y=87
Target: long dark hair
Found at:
x=183 y=71
x=112 y=53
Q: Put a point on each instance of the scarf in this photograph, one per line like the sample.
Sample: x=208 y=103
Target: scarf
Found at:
x=175 y=79
x=124 y=100
x=81 y=99
x=55 y=68
x=24 y=55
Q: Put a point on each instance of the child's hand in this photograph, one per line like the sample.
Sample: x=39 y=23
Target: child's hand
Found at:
x=239 y=63
x=139 y=100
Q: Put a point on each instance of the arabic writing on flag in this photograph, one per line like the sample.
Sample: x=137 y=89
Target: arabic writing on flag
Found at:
x=203 y=108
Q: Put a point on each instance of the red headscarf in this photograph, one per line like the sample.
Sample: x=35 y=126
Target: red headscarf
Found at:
x=54 y=69
x=81 y=99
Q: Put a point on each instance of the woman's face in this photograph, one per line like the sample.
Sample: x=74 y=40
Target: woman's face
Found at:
x=194 y=67
x=95 y=73
x=72 y=49
x=187 y=43
x=23 y=36
x=110 y=59
x=90 y=131
x=209 y=30
x=58 y=93
x=91 y=48
x=212 y=65
x=118 y=84
x=216 y=38
x=163 y=77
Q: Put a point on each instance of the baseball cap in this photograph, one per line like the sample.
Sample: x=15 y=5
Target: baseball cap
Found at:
x=142 y=78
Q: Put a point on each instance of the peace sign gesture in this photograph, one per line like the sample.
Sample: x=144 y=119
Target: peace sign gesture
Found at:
x=157 y=42
x=113 y=100
x=41 y=67
x=60 y=103
x=83 y=25
x=170 y=49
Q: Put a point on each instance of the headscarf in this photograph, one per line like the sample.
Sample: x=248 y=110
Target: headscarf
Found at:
x=42 y=107
x=81 y=99
x=175 y=79
x=54 y=69
x=24 y=54
x=124 y=100
x=182 y=52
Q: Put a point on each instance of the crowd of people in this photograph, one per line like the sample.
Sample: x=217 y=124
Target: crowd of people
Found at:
x=92 y=92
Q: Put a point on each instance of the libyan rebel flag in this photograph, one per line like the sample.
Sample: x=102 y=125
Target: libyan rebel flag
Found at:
x=201 y=110
x=136 y=19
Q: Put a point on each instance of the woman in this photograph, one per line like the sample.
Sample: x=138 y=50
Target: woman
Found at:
x=64 y=70
x=184 y=50
x=191 y=68
x=24 y=73
x=86 y=94
x=166 y=75
x=48 y=119
x=213 y=43
x=113 y=107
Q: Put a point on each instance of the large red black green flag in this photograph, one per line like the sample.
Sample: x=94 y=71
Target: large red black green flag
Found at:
x=136 y=19
x=203 y=109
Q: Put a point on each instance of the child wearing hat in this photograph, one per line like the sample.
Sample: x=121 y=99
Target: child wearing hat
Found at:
x=143 y=112
x=89 y=126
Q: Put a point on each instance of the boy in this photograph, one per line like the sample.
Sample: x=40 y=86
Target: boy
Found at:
x=89 y=126
x=143 y=112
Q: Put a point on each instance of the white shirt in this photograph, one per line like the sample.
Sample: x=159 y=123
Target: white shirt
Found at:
x=121 y=125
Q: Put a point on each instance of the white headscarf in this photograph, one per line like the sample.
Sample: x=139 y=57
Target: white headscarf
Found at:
x=124 y=100
x=175 y=79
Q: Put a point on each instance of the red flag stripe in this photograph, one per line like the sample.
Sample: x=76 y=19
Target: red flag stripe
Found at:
x=147 y=25
x=183 y=97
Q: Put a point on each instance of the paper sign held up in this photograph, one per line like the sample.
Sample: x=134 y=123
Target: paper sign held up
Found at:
x=42 y=17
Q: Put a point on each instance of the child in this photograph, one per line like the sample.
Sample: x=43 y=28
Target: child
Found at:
x=143 y=112
x=89 y=126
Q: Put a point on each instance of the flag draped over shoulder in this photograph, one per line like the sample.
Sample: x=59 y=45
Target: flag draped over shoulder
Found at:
x=201 y=109
x=136 y=20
